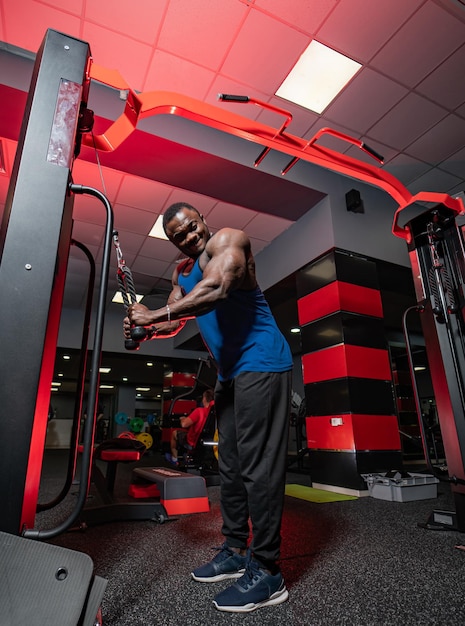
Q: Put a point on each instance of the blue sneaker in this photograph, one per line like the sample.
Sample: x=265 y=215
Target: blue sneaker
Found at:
x=255 y=589
x=226 y=564
x=170 y=460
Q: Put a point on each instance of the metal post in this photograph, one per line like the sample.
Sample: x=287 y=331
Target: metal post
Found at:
x=437 y=256
x=34 y=245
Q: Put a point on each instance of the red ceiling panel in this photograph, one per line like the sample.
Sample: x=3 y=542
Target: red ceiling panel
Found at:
x=120 y=17
x=306 y=16
x=202 y=32
x=133 y=220
x=29 y=34
x=264 y=53
x=75 y=7
x=168 y=73
x=111 y=50
x=108 y=180
x=143 y=194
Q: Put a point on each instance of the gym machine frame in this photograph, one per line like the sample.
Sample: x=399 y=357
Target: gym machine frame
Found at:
x=34 y=245
x=34 y=252
x=437 y=255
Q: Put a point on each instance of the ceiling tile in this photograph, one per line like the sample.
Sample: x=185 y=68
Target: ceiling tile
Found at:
x=70 y=6
x=39 y=19
x=361 y=37
x=440 y=86
x=88 y=234
x=118 y=18
x=115 y=51
x=266 y=227
x=428 y=38
x=201 y=32
x=257 y=245
x=461 y=110
x=144 y=282
x=159 y=249
x=143 y=194
x=89 y=209
x=434 y=180
x=133 y=220
x=406 y=168
x=171 y=73
x=306 y=16
x=409 y=119
x=130 y=243
x=104 y=179
x=365 y=100
x=455 y=164
x=264 y=66
x=149 y=266
x=458 y=191
x=229 y=215
x=202 y=203
x=440 y=142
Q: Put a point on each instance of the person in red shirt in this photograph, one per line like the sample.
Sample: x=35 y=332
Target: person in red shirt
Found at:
x=194 y=424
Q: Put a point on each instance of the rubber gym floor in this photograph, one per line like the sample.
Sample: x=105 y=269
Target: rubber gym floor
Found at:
x=362 y=562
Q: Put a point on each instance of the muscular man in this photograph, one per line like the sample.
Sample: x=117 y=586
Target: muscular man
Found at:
x=217 y=285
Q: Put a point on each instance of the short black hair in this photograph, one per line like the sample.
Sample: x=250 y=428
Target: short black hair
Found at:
x=173 y=209
x=209 y=395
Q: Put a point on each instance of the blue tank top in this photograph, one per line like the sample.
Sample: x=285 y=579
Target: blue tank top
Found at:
x=241 y=333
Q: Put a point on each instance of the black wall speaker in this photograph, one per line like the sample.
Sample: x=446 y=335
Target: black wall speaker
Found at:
x=354 y=202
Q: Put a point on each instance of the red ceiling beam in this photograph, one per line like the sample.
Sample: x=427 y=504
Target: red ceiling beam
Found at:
x=142 y=105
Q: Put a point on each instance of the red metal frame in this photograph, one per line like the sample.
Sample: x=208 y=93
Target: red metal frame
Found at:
x=147 y=104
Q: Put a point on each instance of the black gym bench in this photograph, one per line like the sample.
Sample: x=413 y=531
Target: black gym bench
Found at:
x=156 y=493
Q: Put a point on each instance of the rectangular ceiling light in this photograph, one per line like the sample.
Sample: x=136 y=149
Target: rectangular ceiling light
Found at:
x=118 y=298
x=317 y=77
x=157 y=229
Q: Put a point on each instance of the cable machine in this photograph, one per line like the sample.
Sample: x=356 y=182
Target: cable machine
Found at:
x=437 y=255
x=34 y=246
x=35 y=239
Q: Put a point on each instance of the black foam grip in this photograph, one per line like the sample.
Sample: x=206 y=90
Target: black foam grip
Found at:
x=227 y=97
x=377 y=155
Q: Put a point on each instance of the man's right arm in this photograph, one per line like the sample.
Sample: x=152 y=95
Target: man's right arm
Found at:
x=160 y=330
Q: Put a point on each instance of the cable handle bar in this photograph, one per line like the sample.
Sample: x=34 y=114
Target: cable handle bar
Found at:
x=128 y=293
